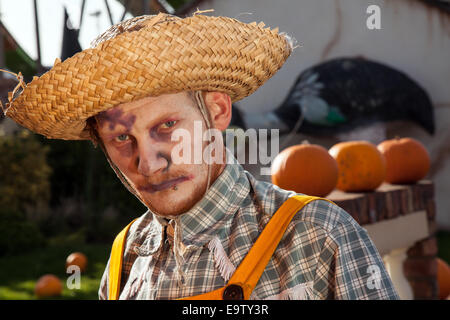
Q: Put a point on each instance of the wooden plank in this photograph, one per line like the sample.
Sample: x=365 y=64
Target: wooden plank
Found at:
x=401 y=232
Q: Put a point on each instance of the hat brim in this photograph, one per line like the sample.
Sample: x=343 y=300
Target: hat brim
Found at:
x=195 y=53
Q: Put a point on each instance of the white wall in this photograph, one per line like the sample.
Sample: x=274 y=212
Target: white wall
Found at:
x=415 y=38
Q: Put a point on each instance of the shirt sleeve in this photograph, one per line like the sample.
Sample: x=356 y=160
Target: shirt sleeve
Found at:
x=349 y=267
x=103 y=289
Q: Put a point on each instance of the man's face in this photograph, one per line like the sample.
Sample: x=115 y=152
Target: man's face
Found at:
x=137 y=137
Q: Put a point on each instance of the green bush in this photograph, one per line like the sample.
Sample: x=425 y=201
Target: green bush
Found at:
x=63 y=187
x=81 y=172
x=24 y=191
x=24 y=173
x=17 y=235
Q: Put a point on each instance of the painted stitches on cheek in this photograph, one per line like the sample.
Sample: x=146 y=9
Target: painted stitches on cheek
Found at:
x=114 y=117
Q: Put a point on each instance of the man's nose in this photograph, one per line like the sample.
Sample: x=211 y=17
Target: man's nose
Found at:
x=151 y=161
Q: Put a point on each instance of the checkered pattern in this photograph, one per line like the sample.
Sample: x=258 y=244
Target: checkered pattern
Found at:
x=324 y=254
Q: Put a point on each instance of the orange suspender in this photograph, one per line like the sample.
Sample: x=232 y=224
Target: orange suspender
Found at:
x=115 y=263
x=246 y=276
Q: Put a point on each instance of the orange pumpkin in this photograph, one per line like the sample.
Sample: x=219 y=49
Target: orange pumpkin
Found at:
x=77 y=259
x=361 y=166
x=305 y=168
x=443 y=277
x=407 y=160
x=48 y=285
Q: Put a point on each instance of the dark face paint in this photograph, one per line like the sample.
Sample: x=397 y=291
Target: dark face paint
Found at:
x=115 y=117
x=160 y=136
x=168 y=159
x=152 y=188
x=162 y=155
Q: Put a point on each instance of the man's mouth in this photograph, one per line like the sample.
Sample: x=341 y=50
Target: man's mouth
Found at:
x=152 y=188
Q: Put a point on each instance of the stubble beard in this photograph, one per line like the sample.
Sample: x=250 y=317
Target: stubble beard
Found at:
x=177 y=200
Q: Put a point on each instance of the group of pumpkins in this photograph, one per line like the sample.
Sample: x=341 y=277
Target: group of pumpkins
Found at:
x=355 y=166
x=50 y=285
x=351 y=166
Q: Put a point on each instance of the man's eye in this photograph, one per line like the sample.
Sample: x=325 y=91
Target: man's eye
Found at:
x=168 y=124
x=122 y=137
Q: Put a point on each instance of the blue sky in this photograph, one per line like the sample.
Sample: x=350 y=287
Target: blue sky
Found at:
x=18 y=17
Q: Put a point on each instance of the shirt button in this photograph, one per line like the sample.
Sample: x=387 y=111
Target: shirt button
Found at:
x=233 y=292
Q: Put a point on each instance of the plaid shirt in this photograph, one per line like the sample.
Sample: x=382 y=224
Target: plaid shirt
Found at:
x=324 y=253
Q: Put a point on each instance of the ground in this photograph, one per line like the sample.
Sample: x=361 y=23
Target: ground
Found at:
x=20 y=272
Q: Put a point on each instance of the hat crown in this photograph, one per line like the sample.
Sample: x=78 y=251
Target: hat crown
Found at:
x=132 y=25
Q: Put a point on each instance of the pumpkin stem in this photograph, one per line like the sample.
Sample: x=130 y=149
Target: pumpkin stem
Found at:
x=305 y=142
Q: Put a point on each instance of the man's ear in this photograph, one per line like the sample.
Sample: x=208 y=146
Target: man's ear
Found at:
x=219 y=106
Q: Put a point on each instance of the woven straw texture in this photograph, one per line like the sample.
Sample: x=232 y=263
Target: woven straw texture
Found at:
x=149 y=56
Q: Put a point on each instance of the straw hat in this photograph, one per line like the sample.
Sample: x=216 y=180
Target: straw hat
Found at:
x=149 y=56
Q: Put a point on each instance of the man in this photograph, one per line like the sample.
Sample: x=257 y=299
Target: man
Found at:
x=140 y=93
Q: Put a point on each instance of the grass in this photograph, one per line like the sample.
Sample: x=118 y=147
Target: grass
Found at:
x=19 y=273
